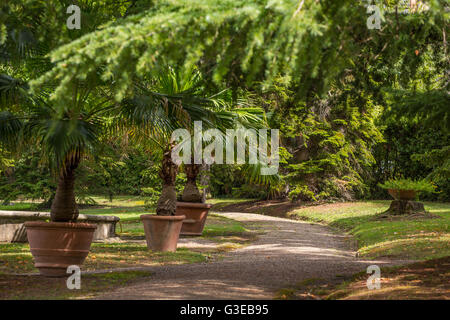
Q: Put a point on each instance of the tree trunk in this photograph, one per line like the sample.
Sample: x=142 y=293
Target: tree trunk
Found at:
x=167 y=202
x=405 y=207
x=191 y=192
x=64 y=207
x=205 y=181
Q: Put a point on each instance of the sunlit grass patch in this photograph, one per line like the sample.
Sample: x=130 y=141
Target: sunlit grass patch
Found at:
x=217 y=228
x=16 y=258
x=125 y=214
x=414 y=248
x=22 y=206
x=132 y=251
x=422 y=280
x=120 y=201
x=221 y=229
x=402 y=237
x=42 y=288
x=123 y=255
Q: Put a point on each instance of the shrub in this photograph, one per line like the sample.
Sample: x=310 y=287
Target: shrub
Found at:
x=408 y=184
x=302 y=192
x=151 y=195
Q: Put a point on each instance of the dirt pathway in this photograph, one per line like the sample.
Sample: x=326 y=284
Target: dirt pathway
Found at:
x=289 y=252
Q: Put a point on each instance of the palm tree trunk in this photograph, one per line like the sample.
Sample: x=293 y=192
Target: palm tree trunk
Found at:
x=204 y=181
x=191 y=192
x=64 y=207
x=167 y=202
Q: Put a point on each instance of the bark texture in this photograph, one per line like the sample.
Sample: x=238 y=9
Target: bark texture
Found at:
x=64 y=207
x=191 y=192
x=205 y=178
x=167 y=202
x=405 y=207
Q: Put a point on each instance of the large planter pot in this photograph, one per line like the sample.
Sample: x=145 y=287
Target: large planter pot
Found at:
x=162 y=232
x=57 y=245
x=402 y=194
x=196 y=214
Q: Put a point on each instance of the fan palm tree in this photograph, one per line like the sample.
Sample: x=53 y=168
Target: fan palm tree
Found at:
x=68 y=132
x=167 y=102
x=245 y=116
x=64 y=134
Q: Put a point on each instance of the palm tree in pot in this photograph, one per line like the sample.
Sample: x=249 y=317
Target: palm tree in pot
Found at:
x=192 y=203
x=161 y=104
x=65 y=133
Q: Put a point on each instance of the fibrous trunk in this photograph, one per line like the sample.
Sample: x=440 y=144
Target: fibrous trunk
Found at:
x=191 y=192
x=405 y=207
x=167 y=202
x=204 y=181
x=64 y=207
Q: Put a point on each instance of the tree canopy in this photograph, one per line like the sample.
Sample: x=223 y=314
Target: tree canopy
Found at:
x=355 y=106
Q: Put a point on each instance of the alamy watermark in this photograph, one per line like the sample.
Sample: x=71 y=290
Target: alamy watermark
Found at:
x=403 y=7
x=374 y=281
x=74 y=20
x=236 y=153
x=74 y=280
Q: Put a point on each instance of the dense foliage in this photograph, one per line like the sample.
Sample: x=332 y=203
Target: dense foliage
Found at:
x=408 y=184
x=355 y=107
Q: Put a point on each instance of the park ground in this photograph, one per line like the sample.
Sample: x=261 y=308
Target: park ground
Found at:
x=423 y=241
x=416 y=238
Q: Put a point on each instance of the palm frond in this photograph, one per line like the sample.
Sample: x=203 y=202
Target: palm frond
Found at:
x=12 y=90
x=10 y=129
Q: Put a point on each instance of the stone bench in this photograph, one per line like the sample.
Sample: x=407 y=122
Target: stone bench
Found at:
x=12 y=229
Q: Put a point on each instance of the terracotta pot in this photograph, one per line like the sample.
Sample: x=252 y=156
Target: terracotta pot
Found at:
x=162 y=232
x=196 y=214
x=57 y=245
x=402 y=194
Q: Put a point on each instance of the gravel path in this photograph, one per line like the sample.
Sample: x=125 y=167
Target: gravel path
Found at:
x=289 y=252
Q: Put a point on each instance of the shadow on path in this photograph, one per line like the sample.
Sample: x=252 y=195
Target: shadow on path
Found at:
x=289 y=252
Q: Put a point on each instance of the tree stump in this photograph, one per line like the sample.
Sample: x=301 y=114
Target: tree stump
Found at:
x=405 y=207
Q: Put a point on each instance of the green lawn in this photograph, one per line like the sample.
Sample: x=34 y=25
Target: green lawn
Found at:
x=17 y=258
x=410 y=239
x=423 y=280
x=42 y=288
x=132 y=251
x=406 y=238
x=22 y=206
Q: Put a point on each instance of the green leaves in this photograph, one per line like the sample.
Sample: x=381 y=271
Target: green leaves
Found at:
x=10 y=127
x=12 y=91
x=259 y=40
x=408 y=184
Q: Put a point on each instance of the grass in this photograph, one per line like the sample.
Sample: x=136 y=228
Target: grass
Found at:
x=228 y=233
x=36 y=287
x=219 y=203
x=120 y=201
x=22 y=206
x=123 y=255
x=124 y=213
x=132 y=251
x=422 y=280
x=416 y=239
x=128 y=209
x=16 y=258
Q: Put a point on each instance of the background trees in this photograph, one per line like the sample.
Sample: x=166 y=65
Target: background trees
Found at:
x=355 y=106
